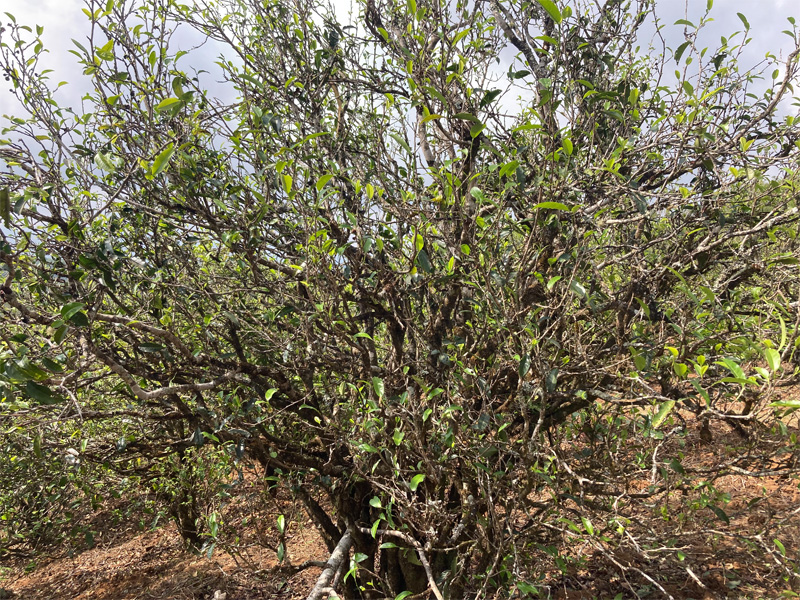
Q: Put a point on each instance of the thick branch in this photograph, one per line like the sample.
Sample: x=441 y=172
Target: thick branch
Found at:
x=162 y=333
x=321 y=519
x=340 y=553
x=420 y=552
x=145 y=396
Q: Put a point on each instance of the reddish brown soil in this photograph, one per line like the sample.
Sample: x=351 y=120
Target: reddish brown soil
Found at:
x=153 y=565
x=130 y=564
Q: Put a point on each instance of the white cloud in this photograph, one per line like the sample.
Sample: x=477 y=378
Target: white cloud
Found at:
x=63 y=20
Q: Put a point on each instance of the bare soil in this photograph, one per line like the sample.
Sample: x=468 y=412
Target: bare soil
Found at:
x=127 y=563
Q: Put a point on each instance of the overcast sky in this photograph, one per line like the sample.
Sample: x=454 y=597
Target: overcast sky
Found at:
x=63 y=20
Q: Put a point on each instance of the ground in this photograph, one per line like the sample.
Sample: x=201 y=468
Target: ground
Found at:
x=128 y=562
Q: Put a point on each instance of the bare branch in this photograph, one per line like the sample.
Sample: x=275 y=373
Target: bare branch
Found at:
x=340 y=553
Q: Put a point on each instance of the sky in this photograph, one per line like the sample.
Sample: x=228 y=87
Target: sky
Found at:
x=63 y=20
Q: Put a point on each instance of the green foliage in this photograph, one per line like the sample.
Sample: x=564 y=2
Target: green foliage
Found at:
x=46 y=493
x=192 y=485
x=484 y=329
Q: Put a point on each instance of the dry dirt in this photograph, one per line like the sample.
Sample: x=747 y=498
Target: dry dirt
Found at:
x=127 y=563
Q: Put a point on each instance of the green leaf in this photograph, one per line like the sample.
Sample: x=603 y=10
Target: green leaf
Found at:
x=415 y=481
x=552 y=281
x=508 y=168
x=460 y=35
x=587 y=525
x=551 y=9
x=106 y=52
x=762 y=372
x=708 y=294
x=164 y=104
x=162 y=160
x=566 y=143
x=478 y=195
x=386 y=546
x=524 y=365
x=401 y=595
x=547 y=38
x=52 y=365
x=783 y=333
x=41 y=393
x=424 y=262
x=577 y=288
x=780 y=546
x=107 y=161
x=662 y=413
x=773 y=358
x=676 y=466
x=431 y=118
x=476 y=130
x=733 y=367
x=401 y=141
x=681 y=49
x=177 y=86
x=720 y=514
x=5 y=206
x=60 y=334
x=551 y=381
x=551 y=206
x=323 y=180
x=795 y=404
x=743 y=20
x=79 y=319
x=375 y=502
x=270 y=393
x=281 y=524
x=436 y=94
x=739 y=380
x=377 y=385
x=571 y=524
x=232 y=319
x=70 y=309
x=150 y=347
x=489 y=97
x=639 y=360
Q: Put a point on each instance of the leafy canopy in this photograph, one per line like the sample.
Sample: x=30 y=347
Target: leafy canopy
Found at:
x=457 y=310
